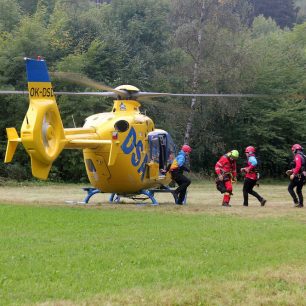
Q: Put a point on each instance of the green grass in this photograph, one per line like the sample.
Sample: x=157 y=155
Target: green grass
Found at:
x=78 y=254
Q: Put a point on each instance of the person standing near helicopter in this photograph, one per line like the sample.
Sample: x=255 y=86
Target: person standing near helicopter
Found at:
x=225 y=168
x=251 y=177
x=177 y=169
x=297 y=175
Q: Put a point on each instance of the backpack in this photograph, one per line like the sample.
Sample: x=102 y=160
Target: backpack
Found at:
x=258 y=167
x=303 y=166
x=303 y=156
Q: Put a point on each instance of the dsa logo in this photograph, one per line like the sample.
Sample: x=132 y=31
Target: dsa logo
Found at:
x=129 y=145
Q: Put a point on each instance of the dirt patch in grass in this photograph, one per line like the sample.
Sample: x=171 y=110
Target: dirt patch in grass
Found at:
x=202 y=198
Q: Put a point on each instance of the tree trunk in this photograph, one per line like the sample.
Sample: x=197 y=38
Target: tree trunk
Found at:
x=195 y=79
x=192 y=105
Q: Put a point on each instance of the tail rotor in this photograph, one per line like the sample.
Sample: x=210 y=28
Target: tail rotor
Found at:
x=42 y=131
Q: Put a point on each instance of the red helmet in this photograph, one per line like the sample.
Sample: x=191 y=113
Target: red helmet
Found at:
x=186 y=148
x=296 y=147
x=250 y=149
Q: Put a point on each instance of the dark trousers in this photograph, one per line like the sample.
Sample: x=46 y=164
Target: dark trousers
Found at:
x=183 y=183
x=248 y=186
x=298 y=196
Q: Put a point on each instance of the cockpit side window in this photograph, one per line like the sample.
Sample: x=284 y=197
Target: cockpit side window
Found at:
x=162 y=149
x=154 y=148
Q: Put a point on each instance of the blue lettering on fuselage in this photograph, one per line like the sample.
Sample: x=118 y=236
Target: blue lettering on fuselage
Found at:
x=128 y=145
x=130 y=138
x=139 y=149
x=142 y=168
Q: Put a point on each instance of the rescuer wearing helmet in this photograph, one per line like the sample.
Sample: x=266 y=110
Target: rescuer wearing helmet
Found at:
x=251 y=177
x=297 y=175
x=225 y=168
x=177 y=168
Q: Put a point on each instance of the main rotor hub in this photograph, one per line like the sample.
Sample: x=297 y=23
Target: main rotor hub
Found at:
x=129 y=92
x=128 y=88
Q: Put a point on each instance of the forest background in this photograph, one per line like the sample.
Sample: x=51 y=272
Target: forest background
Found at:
x=211 y=46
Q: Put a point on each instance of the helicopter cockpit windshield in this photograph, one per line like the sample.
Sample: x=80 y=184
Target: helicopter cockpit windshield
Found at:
x=162 y=148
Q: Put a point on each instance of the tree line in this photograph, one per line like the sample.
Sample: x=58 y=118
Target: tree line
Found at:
x=225 y=46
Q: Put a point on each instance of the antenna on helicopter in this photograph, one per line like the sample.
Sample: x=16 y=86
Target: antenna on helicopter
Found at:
x=73 y=121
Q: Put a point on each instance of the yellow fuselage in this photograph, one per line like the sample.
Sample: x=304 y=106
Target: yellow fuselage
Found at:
x=130 y=170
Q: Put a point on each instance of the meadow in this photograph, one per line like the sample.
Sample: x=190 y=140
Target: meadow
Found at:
x=53 y=253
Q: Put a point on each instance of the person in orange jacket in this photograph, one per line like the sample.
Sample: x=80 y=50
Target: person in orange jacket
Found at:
x=250 y=178
x=226 y=170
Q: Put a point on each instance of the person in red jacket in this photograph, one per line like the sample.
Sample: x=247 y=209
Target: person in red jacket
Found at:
x=225 y=168
x=250 y=178
x=297 y=175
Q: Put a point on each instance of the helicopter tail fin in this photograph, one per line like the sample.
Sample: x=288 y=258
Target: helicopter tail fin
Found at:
x=42 y=132
x=13 y=139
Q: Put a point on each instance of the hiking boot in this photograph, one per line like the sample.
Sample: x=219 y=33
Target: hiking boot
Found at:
x=245 y=204
x=226 y=204
x=299 y=205
x=175 y=195
x=263 y=202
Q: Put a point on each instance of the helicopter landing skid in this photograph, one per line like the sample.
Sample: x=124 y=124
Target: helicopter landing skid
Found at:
x=90 y=192
x=145 y=194
x=142 y=195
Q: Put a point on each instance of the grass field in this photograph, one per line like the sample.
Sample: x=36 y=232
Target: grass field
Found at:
x=198 y=254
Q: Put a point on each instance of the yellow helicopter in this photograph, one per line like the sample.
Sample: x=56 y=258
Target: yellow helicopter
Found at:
x=123 y=152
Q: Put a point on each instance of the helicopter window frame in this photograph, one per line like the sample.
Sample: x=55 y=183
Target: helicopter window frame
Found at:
x=154 y=148
x=159 y=141
x=171 y=146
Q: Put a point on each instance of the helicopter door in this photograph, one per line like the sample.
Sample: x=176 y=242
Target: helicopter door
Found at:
x=153 y=165
x=162 y=151
x=158 y=154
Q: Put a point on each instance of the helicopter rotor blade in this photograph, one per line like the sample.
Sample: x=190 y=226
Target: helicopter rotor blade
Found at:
x=147 y=96
x=68 y=93
x=13 y=92
x=83 y=80
x=219 y=95
x=87 y=93
x=157 y=94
